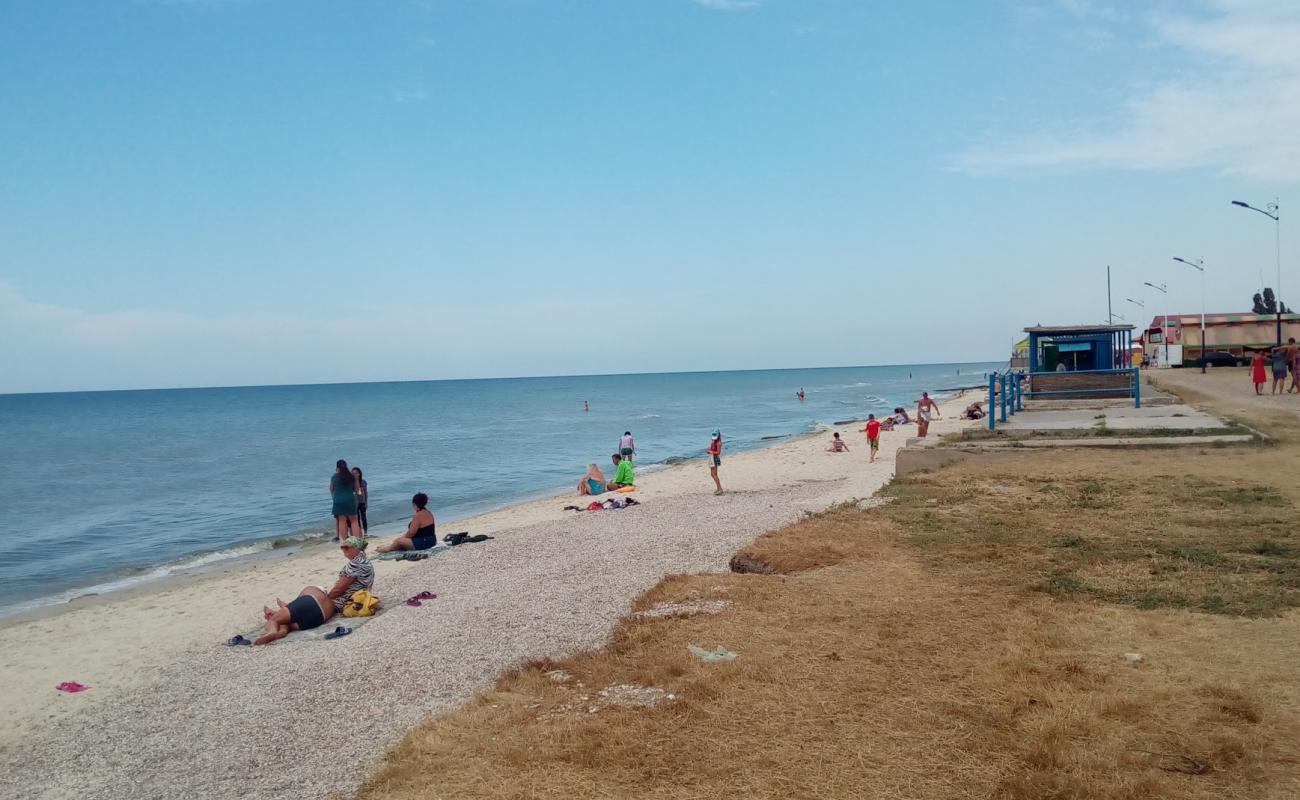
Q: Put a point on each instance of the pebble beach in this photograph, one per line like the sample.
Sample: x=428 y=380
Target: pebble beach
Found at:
x=172 y=711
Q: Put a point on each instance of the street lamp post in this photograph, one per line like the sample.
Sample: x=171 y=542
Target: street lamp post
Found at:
x=1199 y=266
x=1274 y=214
x=1164 y=326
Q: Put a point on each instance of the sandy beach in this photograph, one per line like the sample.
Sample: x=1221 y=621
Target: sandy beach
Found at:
x=172 y=711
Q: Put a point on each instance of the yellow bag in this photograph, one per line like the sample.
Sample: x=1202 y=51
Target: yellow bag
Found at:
x=362 y=604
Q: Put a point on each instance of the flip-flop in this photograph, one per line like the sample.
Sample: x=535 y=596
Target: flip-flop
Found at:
x=337 y=632
x=72 y=687
x=414 y=602
x=237 y=639
x=426 y=596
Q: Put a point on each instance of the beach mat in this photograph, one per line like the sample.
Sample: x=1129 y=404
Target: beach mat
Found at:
x=396 y=555
x=315 y=634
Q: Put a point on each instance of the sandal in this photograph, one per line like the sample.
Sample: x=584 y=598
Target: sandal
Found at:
x=337 y=632
x=237 y=639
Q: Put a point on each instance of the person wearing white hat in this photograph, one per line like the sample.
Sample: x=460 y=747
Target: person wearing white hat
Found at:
x=715 y=458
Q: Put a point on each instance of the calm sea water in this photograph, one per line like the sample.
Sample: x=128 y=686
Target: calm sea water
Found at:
x=110 y=488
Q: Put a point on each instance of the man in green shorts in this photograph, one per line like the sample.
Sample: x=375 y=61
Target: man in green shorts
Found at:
x=622 y=473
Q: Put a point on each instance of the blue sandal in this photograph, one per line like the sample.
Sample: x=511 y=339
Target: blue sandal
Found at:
x=337 y=632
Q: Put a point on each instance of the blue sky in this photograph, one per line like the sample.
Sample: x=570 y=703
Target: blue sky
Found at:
x=245 y=191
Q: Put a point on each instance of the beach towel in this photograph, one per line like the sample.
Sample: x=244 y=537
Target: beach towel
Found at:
x=398 y=554
x=315 y=634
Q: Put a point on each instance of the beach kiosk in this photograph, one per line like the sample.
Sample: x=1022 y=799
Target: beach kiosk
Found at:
x=1081 y=361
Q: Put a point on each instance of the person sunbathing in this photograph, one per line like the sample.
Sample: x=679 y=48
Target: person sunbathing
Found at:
x=421 y=533
x=973 y=411
x=593 y=482
x=313 y=606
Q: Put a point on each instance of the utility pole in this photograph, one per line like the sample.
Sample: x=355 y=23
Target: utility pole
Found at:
x=1110 y=314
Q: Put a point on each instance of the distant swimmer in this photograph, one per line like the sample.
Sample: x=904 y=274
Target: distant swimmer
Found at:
x=799 y=394
x=715 y=458
x=627 y=445
x=585 y=406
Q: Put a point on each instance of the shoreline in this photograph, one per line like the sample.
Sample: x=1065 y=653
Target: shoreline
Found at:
x=178 y=574
x=119 y=644
x=553 y=582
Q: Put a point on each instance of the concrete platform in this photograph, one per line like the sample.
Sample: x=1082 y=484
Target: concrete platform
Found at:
x=1176 y=416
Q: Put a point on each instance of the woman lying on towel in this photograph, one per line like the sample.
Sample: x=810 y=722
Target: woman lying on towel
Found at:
x=421 y=533
x=593 y=482
x=313 y=606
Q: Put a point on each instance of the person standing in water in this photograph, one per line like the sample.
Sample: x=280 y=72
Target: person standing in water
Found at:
x=363 y=500
x=343 y=494
x=585 y=406
x=715 y=458
x=627 y=446
x=799 y=394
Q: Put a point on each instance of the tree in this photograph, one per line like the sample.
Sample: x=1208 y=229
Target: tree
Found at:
x=1267 y=303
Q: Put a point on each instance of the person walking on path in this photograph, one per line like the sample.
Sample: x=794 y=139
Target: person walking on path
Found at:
x=1293 y=358
x=1257 y=372
x=715 y=458
x=343 y=493
x=363 y=500
x=627 y=446
x=1279 y=370
x=873 y=436
x=925 y=408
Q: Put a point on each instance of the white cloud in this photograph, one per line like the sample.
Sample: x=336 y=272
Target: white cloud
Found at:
x=728 y=5
x=1237 y=110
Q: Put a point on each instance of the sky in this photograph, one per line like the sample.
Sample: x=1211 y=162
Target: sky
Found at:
x=240 y=192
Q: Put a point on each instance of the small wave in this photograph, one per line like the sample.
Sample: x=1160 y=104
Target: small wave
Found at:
x=848 y=402
x=857 y=385
x=877 y=400
x=648 y=416
x=817 y=426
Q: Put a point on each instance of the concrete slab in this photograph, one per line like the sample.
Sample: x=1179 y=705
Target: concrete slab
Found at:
x=1166 y=417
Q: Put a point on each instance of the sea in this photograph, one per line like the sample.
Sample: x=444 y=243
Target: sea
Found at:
x=108 y=490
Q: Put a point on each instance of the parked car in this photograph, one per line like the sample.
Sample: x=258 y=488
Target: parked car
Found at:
x=1222 y=358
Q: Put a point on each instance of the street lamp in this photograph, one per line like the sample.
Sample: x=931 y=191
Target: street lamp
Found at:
x=1273 y=214
x=1199 y=266
x=1137 y=303
x=1164 y=327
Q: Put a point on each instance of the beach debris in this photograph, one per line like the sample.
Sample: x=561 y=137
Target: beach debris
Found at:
x=559 y=676
x=1133 y=658
x=719 y=653
x=71 y=687
x=683 y=609
x=622 y=695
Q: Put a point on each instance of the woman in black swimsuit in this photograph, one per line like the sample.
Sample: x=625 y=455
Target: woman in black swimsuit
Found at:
x=313 y=605
x=420 y=533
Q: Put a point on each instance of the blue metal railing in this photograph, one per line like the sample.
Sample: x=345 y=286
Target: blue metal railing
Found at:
x=1007 y=390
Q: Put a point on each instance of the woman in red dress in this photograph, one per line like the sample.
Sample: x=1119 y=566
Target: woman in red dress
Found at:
x=1257 y=372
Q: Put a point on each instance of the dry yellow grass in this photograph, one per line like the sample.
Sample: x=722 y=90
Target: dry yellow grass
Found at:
x=966 y=640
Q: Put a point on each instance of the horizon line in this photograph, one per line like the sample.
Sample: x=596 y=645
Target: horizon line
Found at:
x=480 y=378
